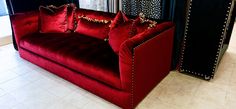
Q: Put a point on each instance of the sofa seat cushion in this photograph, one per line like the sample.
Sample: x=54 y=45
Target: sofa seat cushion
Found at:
x=89 y=56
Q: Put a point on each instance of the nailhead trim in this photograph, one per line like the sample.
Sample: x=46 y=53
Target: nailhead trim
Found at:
x=132 y=80
x=133 y=74
x=225 y=27
x=145 y=41
x=197 y=74
x=185 y=36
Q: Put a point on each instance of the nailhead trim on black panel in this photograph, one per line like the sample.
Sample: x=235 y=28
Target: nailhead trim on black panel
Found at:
x=225 y=27
x=185 y=36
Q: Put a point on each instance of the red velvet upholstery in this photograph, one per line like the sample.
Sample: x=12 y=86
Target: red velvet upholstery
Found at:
x=121 y=33
x=142 y=37
x=24 y=24
x=119 y=97
x=156 y=68
x=99 y=30
x=71 y=15
x=120 y=18
x=126 y=51
x=53 y=20
x=86 y=55
x=94 y=29
x=135 y=75
x=143 y=60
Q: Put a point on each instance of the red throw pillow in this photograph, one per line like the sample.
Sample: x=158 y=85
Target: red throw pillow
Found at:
x=121 y=33
x=53 y=20
x=140 y=25
x=93 y=27
x=120 y=18
x=71 y=16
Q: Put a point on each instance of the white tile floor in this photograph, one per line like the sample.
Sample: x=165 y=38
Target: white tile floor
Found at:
x=25 y=86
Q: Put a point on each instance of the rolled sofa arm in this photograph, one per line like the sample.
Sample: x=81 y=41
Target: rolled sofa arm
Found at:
x=24 y=24
x=145 y=60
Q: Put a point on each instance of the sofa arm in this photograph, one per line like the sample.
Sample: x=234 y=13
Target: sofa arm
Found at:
x=24 y=24
x=145 y=60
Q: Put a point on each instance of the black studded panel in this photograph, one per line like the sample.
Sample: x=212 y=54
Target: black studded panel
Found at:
x=206 y=36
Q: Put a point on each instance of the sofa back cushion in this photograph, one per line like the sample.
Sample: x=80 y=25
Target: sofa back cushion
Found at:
x=53 y=20
x=71 y=15
x=95 y=14
x=93 y=27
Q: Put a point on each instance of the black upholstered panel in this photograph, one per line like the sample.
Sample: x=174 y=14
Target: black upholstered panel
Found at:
x=205 y=32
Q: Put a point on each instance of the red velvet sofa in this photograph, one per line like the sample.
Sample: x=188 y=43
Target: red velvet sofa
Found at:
x=123 y=79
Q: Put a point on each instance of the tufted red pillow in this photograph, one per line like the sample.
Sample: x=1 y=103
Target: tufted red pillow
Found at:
x=92 y=28
x=120 y=18
x=121 y=33
x=53 y=20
